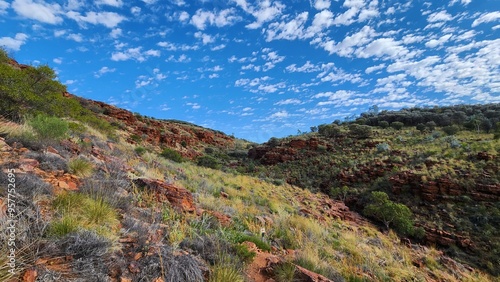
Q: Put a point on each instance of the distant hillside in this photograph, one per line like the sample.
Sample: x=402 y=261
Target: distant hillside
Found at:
x=443 y=163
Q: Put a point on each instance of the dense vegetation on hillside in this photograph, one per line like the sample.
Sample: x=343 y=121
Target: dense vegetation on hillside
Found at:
x=443 y=169
x=127 y=202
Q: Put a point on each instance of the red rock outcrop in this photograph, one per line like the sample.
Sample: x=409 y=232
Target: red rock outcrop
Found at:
x=180 y=198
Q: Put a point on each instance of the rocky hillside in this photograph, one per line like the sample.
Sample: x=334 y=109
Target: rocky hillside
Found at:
x=90 y=192
x=449 y=181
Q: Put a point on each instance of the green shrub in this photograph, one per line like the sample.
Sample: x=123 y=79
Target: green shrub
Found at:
x=383 y=124
x=49 y=128
x=244 y=253
x=208 y=161
x=397 y=125
x=240 y=238
x=360 y=131
x=140 y=150
x=390 y=213
x=451 y=130
x=76 y=127
x=329 y=130
x=136 y=138
x=171 y=154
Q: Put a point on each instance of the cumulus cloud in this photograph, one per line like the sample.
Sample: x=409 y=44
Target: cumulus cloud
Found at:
x=486 y=18
x=77 y=37
x=441 y=16
x=113 y=3
x=290 y=30
x=103 y=71
x=205 y=38
x=3 y=7
x=264 y=11
x=108 y=19
x=322 y=4
x=134 y=54
x=307 y=67
x=15 y=43
x=39 y=11
x=222 y=18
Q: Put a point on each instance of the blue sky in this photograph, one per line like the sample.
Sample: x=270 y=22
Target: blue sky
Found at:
x=262 y=68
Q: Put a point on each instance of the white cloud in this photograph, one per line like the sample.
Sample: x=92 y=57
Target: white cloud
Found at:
x=374 y=68
x=103 y=71
x=347 y=47
x=279 y=115
x=57 y=60
x=288 y=102
x=177 y=47
x=70 y=81
x=108 y=19
x=194 y=106
x=223 y=18
x=136 y=11
x=39 y=11
x=438 y=42
x=15 y=43
x=77 y=37
x=205 y=38
x=263 y=12
x=59 y=33
x=152 y=53
x=3 y=7
x=307 y=67
x=149 y=2
x=183 y=16
x=287 y=30
x=218 y=47
x=486 y=18
x=113 y=3
x=441 y=16
x=464 y=2
x=116 y=32
x=134 y=54
x=383 y=47
x=322 y=4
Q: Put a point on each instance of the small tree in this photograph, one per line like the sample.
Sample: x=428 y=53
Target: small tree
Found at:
x=397 y=125
x=421 y=127
x=431 y=125
x=383 y=124
x=329 y=130
x=360 y=131
x=391 y=214
x=451 y=130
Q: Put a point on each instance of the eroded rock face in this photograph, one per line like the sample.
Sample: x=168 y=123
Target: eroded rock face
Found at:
x=180 y=198
x=187 y=139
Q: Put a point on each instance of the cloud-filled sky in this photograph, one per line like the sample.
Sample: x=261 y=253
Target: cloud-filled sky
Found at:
x=262 y=68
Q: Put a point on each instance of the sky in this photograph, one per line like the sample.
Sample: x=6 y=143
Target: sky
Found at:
x=261 y=69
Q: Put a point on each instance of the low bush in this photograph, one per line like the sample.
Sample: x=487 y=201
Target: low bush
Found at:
x=240 y=238
x=285 y=272
x=208 y=161
x=171 y=154
x=80 y=167
x=49 y=128
x=140 y=150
